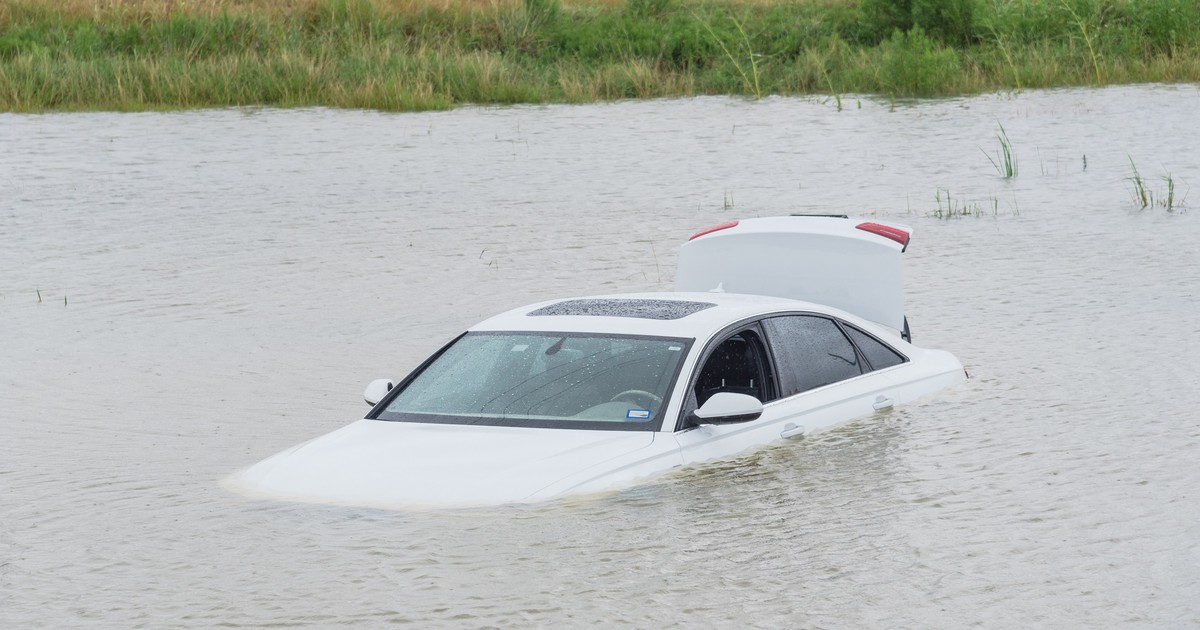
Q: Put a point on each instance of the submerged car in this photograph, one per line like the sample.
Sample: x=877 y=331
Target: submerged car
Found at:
x=781 y=326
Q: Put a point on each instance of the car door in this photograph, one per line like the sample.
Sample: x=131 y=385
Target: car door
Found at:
x=818 y=378
x=826 y=377
x=737 y=361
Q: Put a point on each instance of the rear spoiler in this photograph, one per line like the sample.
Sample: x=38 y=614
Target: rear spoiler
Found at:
x=895 y=231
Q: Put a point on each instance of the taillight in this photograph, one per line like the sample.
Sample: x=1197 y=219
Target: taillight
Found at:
x=886 y=231
x=715 y=228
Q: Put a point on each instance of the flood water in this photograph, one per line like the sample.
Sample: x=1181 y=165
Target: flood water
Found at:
x=184 y=294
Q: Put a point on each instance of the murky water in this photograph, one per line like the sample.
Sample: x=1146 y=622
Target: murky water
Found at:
x=216 y=286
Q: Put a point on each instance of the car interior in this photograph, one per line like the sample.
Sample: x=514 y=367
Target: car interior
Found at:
x=737 y=365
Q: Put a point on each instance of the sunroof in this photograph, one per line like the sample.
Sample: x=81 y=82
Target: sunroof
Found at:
x=641 y=309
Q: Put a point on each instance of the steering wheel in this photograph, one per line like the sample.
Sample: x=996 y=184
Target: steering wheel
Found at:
x=639 y=396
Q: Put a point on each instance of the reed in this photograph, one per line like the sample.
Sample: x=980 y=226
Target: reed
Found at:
x=949 y=208
x=1145 y=197
x=1006 y=161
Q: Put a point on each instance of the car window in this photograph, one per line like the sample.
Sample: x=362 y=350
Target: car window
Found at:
x=811 y=351
x=738 y=364
x=544 y=380
x=877 y=353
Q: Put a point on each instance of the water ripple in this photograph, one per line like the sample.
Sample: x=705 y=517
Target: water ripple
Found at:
x=218 y=285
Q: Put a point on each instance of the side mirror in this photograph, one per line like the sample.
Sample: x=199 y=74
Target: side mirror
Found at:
x=376 y=390
x=726 y=408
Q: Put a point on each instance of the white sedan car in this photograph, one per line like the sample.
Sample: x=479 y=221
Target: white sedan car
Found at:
x=591 y=394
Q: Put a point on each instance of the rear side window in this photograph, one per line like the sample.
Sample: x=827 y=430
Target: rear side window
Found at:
x=878 y=354
x=811 y=352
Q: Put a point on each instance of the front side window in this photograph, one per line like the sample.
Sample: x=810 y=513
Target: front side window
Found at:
x=811 y=351
x=552 y=380
x=738 y=365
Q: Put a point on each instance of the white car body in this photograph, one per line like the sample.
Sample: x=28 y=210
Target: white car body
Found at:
x=406 y=458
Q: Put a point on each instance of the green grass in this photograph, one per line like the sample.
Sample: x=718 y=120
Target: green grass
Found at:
x=434 y=54
x=1006 y=161
x=1145 y=196
x=949 y=208
x=750 y=82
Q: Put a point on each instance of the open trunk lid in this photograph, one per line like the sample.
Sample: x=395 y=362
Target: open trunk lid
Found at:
x=853 y=264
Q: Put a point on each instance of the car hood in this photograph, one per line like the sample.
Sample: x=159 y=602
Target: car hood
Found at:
x=379 y=463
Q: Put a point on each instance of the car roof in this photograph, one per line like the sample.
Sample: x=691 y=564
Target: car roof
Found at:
x=665 y=314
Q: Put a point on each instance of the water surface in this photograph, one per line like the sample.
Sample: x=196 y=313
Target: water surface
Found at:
x=218 y=285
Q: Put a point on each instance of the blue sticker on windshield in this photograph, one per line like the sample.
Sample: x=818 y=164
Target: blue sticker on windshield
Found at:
x=638 y=414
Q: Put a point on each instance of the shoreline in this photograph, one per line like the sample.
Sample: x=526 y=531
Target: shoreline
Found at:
x=420 y=55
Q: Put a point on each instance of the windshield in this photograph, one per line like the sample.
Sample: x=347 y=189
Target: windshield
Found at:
x=565 y=380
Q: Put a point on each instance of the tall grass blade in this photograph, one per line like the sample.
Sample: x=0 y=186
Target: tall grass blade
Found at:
x=1006 y=160
x=751 y=85
x=1142 y=196
x=1087 y=39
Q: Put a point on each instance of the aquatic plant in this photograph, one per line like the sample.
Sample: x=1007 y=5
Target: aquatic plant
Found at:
x=1145 y=197
x=1170 y=202
x=949 y=207
x=1006 y=161
x=833 y=91
x=1142 y=195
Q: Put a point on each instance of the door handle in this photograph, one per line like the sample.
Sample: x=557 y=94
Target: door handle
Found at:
x=882 y=402
x=790 y=429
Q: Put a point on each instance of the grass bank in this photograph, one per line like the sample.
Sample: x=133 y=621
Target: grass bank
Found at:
x=434 y=54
